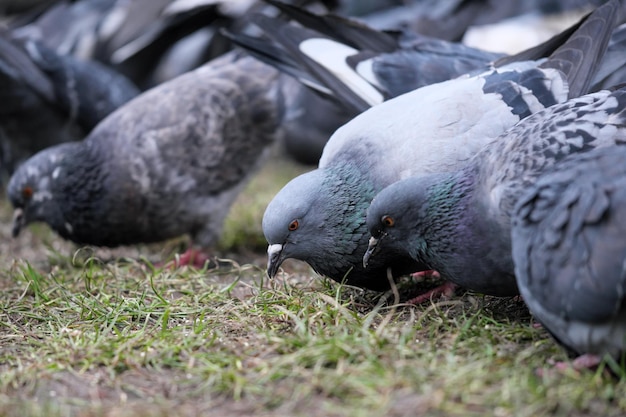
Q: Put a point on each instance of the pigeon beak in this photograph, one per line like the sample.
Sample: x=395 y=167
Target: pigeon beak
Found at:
x=372 y=249
x=19 y=221
x=274 y=259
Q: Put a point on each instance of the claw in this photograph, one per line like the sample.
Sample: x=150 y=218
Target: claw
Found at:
x=446 y=289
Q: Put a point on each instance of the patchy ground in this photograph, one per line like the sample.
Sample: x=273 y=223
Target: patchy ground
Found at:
x=87 y=332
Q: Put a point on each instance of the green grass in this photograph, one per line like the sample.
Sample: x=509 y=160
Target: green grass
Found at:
x=101 y=333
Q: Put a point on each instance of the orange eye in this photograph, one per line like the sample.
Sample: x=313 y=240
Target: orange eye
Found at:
x=387 y=221
x=293 y=225
x=27 y=192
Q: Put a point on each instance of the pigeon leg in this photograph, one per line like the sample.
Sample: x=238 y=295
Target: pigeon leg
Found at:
x=586 y=361
x=446 y=289
x=425 y=274
x=191 y=257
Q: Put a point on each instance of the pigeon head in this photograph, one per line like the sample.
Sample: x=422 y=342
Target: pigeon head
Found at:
x=31 y=188
x=439 y=221
x=319 y=218
x=397 y=218
x=291 y=219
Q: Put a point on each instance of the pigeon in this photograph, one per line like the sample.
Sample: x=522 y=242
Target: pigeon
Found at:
x=353 y=64
x=568 y=248
x=459 y=223
x=134 y=36
x=46 y=98
x=320 y=216
x=356 y=66
x=382 y=65
x=169 y=162
x=149 y=41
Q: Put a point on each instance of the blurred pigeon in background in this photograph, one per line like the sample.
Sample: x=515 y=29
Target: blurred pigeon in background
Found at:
x=451 y=19
x=357 y=66
x=133 y=36
x=46 y=98
x=151 y=41
x=354 y=64
x=351 y=65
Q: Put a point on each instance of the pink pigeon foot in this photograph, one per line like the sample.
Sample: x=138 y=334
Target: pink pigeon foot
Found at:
x=421 y=275
x=191 y=257
x=446 y=289
x=586 y=361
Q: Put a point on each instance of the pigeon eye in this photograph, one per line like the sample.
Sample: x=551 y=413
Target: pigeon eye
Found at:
x=27 y=193
x=387 y=221
x=293 y=225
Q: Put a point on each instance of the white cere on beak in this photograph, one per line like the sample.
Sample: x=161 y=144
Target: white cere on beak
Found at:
x=273 y=249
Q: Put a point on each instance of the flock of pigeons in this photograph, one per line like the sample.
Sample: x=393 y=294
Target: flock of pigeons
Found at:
x=503 y=173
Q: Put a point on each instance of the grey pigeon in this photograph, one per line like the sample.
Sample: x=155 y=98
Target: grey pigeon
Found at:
x=569 y=249
x=149 y=41
x=319 y=217
x=133 y=36
x=46 y=98
x=350 y=66
x=450 y=19
x=168 y=163
x=356 y=66
x=309 y=121
x=352 y=63
x=459 y=223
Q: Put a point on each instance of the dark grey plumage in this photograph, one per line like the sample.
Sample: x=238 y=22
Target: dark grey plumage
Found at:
x=133 y=36
x=167 y=163
x=459 y=223
x=143 y=38
x=569 y=250
x=353 y=64
x=397 y=61
x=46 y=98
x=88 y=90
x=309 y=121
x=319 y=217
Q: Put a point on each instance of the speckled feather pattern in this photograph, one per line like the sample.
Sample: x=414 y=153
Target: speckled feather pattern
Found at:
x=169 y=162
x=509 y=166
x=569 y=250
